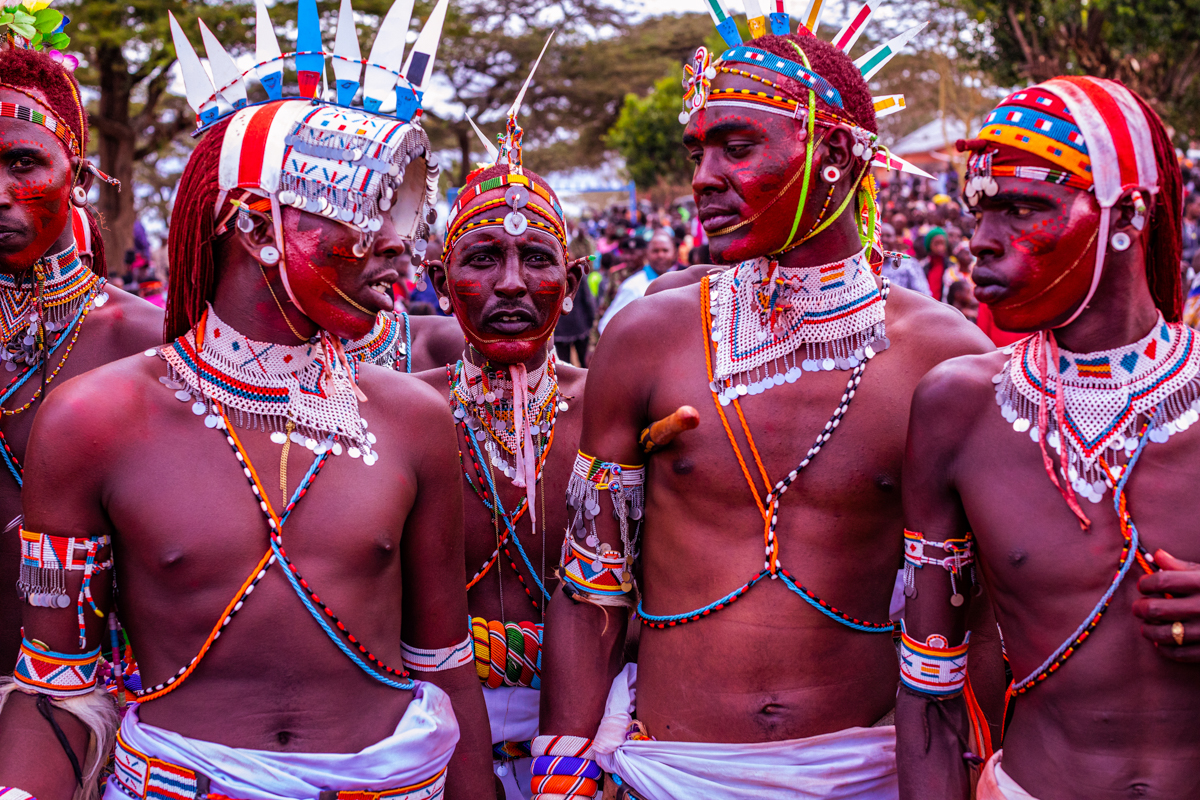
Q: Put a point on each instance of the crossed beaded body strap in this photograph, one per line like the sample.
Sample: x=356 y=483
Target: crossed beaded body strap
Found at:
x=768 y=507
x=329 y=622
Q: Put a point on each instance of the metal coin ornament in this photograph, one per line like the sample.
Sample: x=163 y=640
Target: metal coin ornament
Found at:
x=515 y=223
x=517 y=197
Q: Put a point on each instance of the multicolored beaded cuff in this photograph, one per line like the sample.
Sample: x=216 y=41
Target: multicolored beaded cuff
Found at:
x=932 y=667
x=422 y=660
x=507 y=653
x=43 y=671
x=564 y=767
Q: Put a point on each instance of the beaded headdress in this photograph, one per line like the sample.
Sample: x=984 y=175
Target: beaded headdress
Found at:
x=318 y=153
x=1088 y=133
x=521 y=214
x=702 y=69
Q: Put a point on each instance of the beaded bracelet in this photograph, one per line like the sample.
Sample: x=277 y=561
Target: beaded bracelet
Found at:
x=960 y=555
x=564 y=767
x=932 y=667
x=42 y=671
x=440 y=660
x=507 y=653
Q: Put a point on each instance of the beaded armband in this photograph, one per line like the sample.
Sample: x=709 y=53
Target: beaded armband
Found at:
x=507 y=653
x=45 y=562
x=422 y=660
x=932 y=667
x=960 y=554
x=42 y=671
x=564 y=767
x=591 y=570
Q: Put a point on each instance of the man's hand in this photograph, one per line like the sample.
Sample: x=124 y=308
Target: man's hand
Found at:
x=1171 y=608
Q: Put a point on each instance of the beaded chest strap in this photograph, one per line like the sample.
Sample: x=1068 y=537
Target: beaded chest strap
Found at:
x=763 y=314
x=768 y=507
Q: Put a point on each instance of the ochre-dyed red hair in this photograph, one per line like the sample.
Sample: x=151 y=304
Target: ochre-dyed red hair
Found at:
x=42 y=76
x=192 y=275
x=1165 y=242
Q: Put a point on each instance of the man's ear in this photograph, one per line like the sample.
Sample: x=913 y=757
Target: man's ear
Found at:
x=436 y=271
x=79 y=166
x=261 y=233
x=839 y=152
x=576 y=270
x=1131 y=219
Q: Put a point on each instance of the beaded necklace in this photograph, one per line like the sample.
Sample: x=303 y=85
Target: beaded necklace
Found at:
x=304 y=394
x=388 y=343
x=764 y=313
x=35 y=321
x=483 y=408
x=1102 y=397
x=769 y=506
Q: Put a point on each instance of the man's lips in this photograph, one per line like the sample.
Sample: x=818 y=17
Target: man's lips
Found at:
x=714 y=219
x=377 y=289
x=989 y=290
x=510 y=321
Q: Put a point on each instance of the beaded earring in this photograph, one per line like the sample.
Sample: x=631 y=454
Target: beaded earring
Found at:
x=831 y=174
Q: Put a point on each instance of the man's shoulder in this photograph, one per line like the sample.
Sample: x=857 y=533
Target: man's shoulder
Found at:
x=958 y=389
x=439 y=338
x=683 y=277
x=571 y=379
x=402 y=393
x=130 y=323
x=107 y=398
x=655 y=317
x=932 y=330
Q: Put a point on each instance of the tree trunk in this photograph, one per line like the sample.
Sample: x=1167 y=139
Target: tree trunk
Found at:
x=464 y=147
x=116 y=140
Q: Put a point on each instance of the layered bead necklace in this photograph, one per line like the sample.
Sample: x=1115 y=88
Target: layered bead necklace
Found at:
x=509 y=429
x=303 y=394
x=1098 y=398
x=764 y=313
x=388 y=345
x=40 y=311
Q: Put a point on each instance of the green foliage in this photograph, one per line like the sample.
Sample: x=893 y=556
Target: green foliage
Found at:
x=648 y=135
x=34 y=22
x=1153 y=46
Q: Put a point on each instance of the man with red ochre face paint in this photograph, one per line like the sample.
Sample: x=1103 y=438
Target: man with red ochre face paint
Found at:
x=507 y=277
x=81 y=321
x=1060 y=472
x=798 y=364
x=305 y=508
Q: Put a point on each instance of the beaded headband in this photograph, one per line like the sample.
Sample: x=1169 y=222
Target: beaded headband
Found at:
x=471 y=192
x=50 y=122
x=701 y=71
x=503 y=222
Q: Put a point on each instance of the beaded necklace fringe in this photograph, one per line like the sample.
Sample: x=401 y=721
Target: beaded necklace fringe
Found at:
x=763 y=314
x=462 y=404
x=1098 y=400
x=59 y=308
x=769 y=507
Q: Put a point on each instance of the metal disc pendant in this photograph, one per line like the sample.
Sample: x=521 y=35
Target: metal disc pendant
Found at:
x=199 y=409
x=910 y=591
x=516 y=197
x=515 y=223
x=956 y=599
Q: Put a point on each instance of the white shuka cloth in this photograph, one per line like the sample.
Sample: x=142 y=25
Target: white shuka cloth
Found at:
x=513 y=715
x=995 y=783
x=854 y=764
x=420 y=747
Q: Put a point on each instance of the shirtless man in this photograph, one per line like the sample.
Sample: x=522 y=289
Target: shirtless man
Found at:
x=1078 y=242
x=507 y=291
x=363 y=534
x=791 y=686
x=88 y=322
